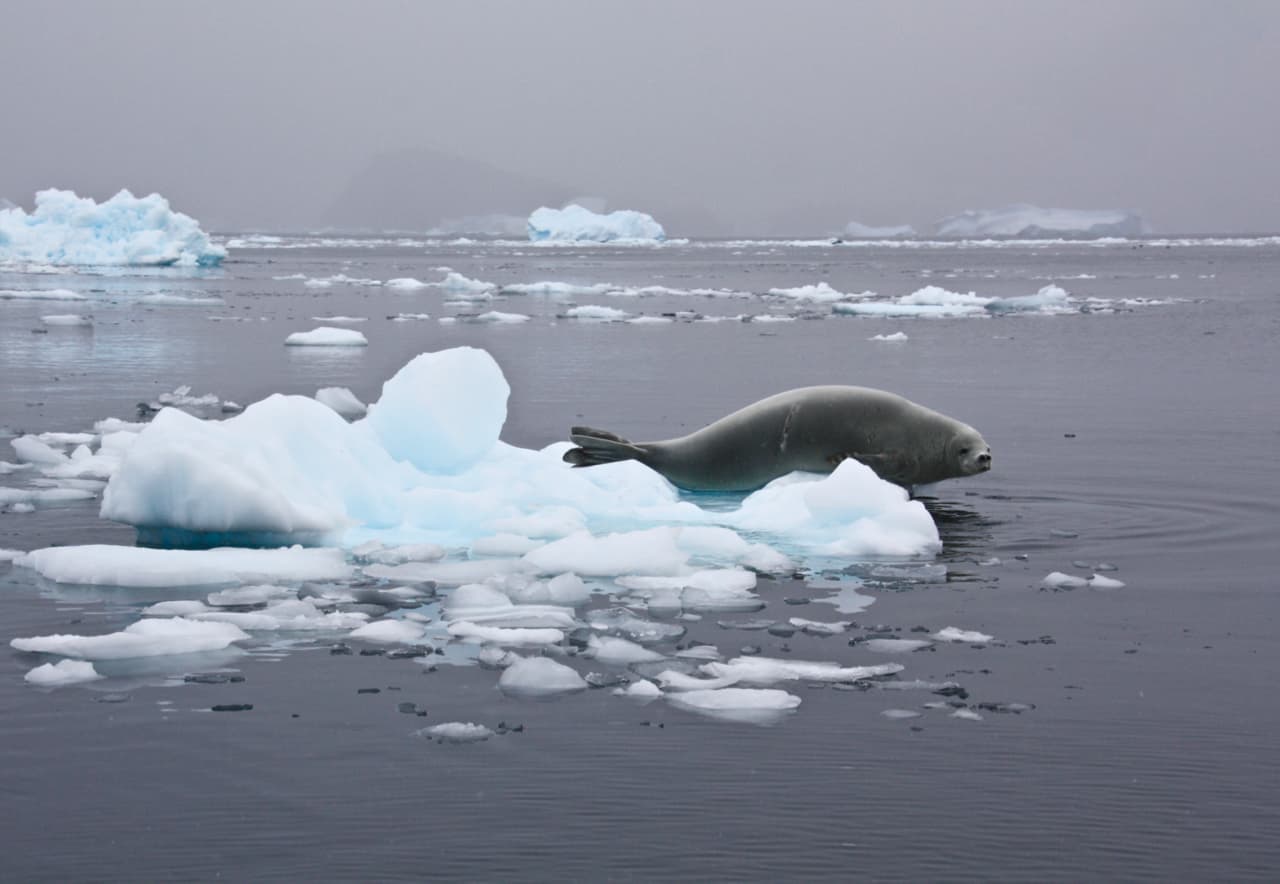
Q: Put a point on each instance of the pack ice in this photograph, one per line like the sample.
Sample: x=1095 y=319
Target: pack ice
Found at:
x=124 y=230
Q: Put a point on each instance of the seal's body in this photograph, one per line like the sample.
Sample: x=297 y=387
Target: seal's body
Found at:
x=811 y=429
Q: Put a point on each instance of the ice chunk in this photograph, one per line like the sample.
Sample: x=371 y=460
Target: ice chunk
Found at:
x=456 y=732
x=8 y=555
x=39 y=294
x=748 y=705
x=407 y=284
x=896 y=336
x=67 y=319
x=653 y=551
x=573 y=223
x=818 y=627
x=614 y=651
x=596 y=313
x=1036 y=223
x=642 y=690
x=30 y=449
x=341 y=400
x=1059 y=580
x=620 y=621
x=101 y=565
x=327 y=336
x=765 y=671
x=900 y=714
x=952 y=634
x=821 y=293
x=146 y=638
x=894 y=645
x=1100 y=582
x=248 y=595
x=1050 y=299
x=560 y=289
x=64 y=672
x=539 y=677
x=460 y=286
x=66 y=229
x=403 y=632
x=507 y=637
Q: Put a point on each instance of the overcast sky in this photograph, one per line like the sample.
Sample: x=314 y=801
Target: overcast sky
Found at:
x=767 y=117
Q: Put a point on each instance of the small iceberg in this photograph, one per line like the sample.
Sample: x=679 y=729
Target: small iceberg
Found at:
x=573 y=223
x=124 y=230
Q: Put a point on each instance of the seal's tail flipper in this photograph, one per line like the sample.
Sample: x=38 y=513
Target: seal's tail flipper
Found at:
x=598 y=446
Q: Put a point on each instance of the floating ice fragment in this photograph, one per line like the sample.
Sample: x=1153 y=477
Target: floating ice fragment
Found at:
x=642 y=690
x=461 y=286
x=402 y=632
x=596 y=313
x=764 y=671
x=67 y=319
x=899 y=714
x=1058 y=580
x=952 y=634
x=64 y=672
x=327 y=336
x=146 y=638
x=1100 y=582
x=746 y=705
x=497 y=316
x=894 y=645
x=456 y=732
x=966 y=715
x=1023 y=220
x=248 y=595
x=614 y=651
x=539 y=677
x=41 y=295
x=102 y=565
x=815 y=627
x=407 y=283
x=507 y=637
x=896 y=336
x=31 y=450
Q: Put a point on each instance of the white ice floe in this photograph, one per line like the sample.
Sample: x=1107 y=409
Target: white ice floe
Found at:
x=894 y=645
x=1033 y=222
x=75 y=320
x=1059 y=580
x=747 y=705
x=327 y=336
x=407 y=284
x=596 y=313
x=41 y=295
x=8 y=555
x=64 y=672
x=32 y=449
x=145 y=638
x=341 y=320
x=819 y=627
x=399 y=632
x=102 y=565
x=456 y=732
x=642 y=690
x=539 y=677
x=459 y=286
x=560 y=289
x=614 y=651
x=325 y=282
x=497 y=316
x=342 y=400
x=969 y=636
x=1097 y=581
x=766 y=671
x=66 y=229
x=822 y=293
x=896 y=336
x=506 y=636
x=168 y=299
x=573 y=223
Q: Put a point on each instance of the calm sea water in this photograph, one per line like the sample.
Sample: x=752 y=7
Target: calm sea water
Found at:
x=1143 y=437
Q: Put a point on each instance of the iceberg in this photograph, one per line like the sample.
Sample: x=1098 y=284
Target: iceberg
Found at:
x=1033 y=222
x=573 y=223
x=124 y=230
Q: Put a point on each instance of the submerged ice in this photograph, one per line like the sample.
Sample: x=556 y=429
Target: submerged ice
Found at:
x=124 y=230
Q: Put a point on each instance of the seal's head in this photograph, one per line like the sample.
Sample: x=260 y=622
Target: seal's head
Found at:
x=969 y=453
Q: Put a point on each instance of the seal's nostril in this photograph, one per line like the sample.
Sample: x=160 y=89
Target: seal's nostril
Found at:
x=984 y=458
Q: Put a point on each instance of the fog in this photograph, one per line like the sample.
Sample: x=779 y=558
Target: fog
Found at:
x=716 y=117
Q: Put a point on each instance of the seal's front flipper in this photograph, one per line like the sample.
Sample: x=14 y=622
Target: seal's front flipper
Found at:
x=599 y=446
x=892 y=466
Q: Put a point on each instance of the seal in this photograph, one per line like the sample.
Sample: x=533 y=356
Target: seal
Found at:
x=811 y=429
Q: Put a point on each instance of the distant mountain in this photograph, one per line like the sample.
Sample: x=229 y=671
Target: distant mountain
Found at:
x=421 y=189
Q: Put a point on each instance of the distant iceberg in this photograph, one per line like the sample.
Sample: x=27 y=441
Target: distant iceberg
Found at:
x=124 y=230
x=863 y=231
x=1034 y=222
x=573 y=223
x=495 y=224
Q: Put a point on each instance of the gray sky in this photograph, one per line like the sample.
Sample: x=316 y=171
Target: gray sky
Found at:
x=729 y=117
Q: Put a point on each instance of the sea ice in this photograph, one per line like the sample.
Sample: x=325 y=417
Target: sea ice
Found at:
x=497 y=316
x=1059 y=580
x=402 y=632
x=614 y=651
x=102 y=565
x=145 y=638
x=573 y=223
x=863 y=231
x=896 y=336
x=66 y=229
x=822 y=293
x=539 y=677
x=327 y=336
x=597 y=313
x=765 y=671
x=952 y=634
x=1097 y=581
x=748 y=705
x=407 y=284
x=64 y=672
x=461 y=286
x=642 y=689
x=505 y=636
x=40 y=294
x=74 y=320
x=894 y=645
x=456 y=732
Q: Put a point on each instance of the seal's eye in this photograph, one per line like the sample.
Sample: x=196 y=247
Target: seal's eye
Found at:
x=964 y=450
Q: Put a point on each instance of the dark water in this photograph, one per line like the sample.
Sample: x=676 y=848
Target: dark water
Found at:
x=1145 y=438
